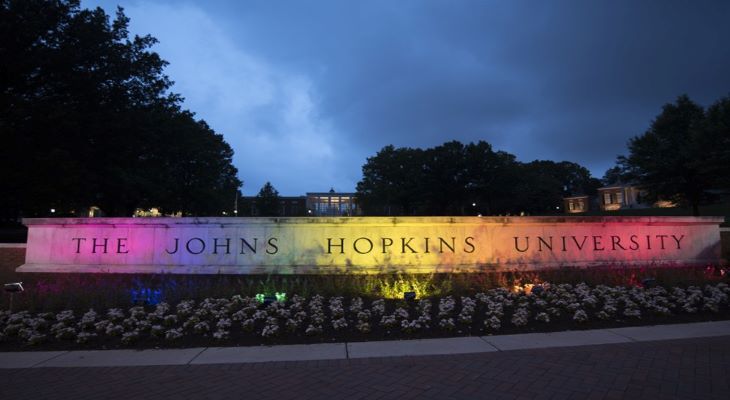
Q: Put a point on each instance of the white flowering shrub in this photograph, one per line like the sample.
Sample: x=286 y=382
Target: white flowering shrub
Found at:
x=85 y=337
x=389 y=321
x=446 y=306
x=88 y=320
x=173 y=334
x=221 y=334
x=115 y=314
x=248 y=325
x=411 y=326
x=363 y=327
x=157 y=331
x=314 y=330
x=291 y=325
x=201 y=327
x=66 y=333
x=339 y=324
x=356 y=305
x=580 y=316
x=447 y=324
x=65 y=316
x=520 y=317
x=492 y=323
x=36 y=338
x=247 y=317
x=378 y=307
x=542 y=317
x=130 y=337
x=170 y=320
x=114 y=330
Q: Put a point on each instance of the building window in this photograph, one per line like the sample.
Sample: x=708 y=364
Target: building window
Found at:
x=607 y=198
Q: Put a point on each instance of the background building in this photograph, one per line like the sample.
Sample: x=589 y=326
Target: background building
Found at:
x=576 y=204
x=333 y=204
x=289 y=206
x=612 y=198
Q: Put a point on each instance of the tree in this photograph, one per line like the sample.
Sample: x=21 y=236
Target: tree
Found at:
x=471 y=179
x=267 y=201
x=680 y=156
x=392 y=182
x=88 y=119
x=715 y=142
x=615 y=174
x=544 y=183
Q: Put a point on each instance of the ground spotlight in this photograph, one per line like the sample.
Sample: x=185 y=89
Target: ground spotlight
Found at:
x=15 y=287
x=12 y=288
x=269 y=299
x=648 y=283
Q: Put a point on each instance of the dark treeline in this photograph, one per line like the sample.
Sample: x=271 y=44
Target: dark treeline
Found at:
x=471 y=179
x=87 y=120
x=684 y=156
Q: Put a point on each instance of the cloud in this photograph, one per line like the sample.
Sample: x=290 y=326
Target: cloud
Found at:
x=306 y=91
x=269 y=116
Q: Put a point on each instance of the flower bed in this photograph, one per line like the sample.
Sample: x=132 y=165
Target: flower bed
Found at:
x=262 y=320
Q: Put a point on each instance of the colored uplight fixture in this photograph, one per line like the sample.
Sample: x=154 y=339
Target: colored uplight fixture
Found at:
x=267 y=299
x=15 y=287
x=648 y=283
x=12 y=288
x=146 y=296
x=409 y=296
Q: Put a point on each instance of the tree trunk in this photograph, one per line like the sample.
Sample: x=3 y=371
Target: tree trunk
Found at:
x=695 y=208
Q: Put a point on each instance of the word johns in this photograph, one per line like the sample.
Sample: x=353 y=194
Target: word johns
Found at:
x=223 y=246
x=193 y=245
x=599 y=243
x=364 y=245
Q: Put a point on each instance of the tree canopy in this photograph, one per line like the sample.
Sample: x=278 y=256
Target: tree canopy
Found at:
x=684 y=155
x=267 y=201
x=88 y=120
x=471 y=179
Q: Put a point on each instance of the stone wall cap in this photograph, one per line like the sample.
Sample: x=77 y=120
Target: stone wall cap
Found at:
x=171 y=221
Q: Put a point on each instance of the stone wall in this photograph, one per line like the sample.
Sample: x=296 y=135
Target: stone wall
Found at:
x=11 y=257
x=365 y=245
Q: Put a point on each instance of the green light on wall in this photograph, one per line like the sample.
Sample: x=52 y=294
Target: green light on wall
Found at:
x=263 y=298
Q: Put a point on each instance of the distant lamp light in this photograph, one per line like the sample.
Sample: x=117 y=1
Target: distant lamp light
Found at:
x=557 y=207
x=53 y=210
x=409 y=296
x=473 y=204
x=235 y=211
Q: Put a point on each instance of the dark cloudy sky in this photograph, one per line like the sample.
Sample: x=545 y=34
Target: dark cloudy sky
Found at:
x=305 y=91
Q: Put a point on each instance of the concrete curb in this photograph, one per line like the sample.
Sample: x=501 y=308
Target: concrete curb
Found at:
x=345 y=351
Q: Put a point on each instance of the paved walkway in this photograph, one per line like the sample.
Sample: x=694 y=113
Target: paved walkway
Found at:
x=672 y=361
